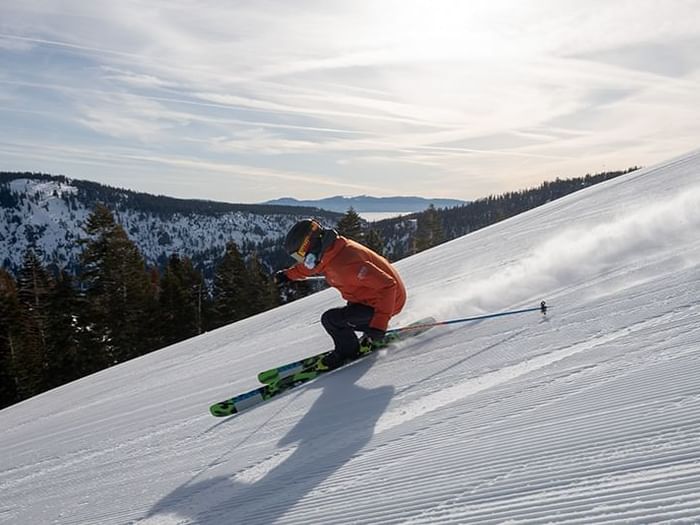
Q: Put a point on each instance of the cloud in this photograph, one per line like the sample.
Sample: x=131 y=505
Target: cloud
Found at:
x=11 y=43
x=135 y=80
x=261 y=141
x=192 y=167
x=676 y=58
x=128 y=116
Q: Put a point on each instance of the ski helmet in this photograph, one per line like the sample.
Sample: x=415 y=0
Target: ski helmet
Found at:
x=303 y=242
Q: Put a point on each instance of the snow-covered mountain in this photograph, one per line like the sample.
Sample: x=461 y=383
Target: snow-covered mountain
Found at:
x=590 y=415
x=50 y=213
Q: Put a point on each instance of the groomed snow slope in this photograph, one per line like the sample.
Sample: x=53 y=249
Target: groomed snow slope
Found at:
x=591 y=415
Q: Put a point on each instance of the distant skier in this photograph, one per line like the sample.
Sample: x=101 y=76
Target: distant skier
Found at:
x=367 y=281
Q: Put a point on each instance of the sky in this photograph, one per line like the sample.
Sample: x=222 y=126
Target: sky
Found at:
x=247 y=101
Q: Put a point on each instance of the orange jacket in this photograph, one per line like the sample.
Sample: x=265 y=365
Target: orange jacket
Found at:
x=361 y=276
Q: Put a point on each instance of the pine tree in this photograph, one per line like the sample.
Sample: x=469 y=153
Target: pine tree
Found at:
x=230 y=287
x=350 y=225
x=182 y=297
x=263 y=293
x=119 y=290
x=34 y=288
x=429 y=232
x=374 y=241
x=64 y=351
x=9 y=340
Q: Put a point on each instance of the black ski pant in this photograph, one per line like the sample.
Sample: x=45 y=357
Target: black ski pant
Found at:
x=342 y=323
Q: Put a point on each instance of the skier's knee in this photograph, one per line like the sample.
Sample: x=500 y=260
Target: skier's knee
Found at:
x=325 y=319
x=330 y=319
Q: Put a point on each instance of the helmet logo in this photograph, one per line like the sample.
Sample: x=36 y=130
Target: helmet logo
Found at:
x=310 y=261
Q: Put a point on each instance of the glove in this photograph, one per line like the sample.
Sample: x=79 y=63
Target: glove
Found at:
x=281 y=278
x=370 y=336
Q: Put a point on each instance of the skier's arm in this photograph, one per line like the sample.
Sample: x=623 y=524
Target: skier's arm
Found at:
x=299 y=272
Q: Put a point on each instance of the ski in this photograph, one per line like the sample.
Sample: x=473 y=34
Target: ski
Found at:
x=296 y=374
x=259 y=395
x=276 y=374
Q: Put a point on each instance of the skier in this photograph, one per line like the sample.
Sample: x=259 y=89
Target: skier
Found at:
x=367 y=281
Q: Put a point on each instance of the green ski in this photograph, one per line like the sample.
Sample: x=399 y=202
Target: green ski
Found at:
x=292 y=375
x=276 y=374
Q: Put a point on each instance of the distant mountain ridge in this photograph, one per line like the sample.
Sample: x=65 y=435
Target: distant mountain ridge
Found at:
x=366 y=203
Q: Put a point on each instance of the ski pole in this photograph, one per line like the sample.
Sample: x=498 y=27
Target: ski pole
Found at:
x=541 y=308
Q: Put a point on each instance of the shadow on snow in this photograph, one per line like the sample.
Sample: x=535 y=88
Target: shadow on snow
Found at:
x=338 y=425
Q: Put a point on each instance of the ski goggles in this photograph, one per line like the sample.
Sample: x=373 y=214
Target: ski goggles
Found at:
x=302 y=255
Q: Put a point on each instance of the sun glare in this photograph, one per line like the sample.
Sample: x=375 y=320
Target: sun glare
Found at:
x=434 y=31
